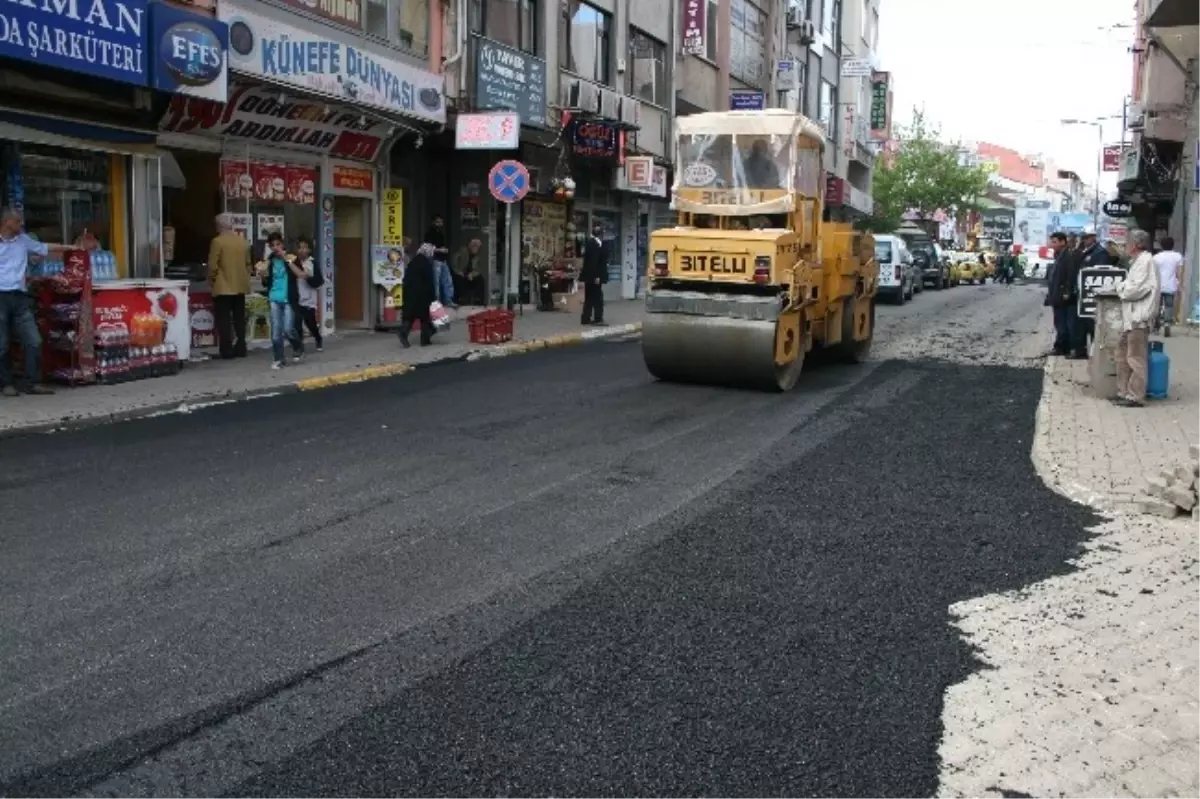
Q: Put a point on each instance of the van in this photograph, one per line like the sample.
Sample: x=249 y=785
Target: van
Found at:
x=896 y=281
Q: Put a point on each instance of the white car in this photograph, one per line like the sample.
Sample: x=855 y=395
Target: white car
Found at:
x=898 y=275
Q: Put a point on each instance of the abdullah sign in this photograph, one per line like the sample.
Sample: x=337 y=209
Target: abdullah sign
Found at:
x=257 y=116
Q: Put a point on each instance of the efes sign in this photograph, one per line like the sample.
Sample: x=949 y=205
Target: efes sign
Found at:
x=189 y=53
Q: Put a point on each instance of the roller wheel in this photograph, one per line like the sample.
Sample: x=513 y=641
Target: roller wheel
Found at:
x=849 y=350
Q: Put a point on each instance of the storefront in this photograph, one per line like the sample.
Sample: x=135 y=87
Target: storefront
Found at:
x=597 y=152
x=78 y=159
x=302 y=152
x=648 y=183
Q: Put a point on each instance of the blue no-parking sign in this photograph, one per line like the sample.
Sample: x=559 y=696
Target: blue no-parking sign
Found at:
x=509 y=181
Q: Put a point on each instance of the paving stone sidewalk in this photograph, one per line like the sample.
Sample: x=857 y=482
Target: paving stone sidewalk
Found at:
x=211 y=381
x=1093 y=686
x=1100 y=455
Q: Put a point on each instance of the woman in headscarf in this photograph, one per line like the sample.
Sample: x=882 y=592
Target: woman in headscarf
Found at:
x=420 y=290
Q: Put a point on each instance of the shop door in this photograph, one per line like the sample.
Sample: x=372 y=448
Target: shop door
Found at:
x=351 y=225
x=610 y=224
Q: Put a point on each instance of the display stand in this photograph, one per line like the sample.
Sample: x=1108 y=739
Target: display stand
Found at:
x=64 y=312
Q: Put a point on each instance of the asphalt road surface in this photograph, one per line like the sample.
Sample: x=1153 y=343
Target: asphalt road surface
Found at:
x=544 y=575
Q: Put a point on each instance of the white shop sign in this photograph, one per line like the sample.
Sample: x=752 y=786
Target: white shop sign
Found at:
x=290 y=50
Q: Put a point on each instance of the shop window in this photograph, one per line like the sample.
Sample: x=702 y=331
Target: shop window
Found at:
x=748 y=42
x=376 y=19
x=412 y=25
x=646 y=76
x=827 y=19
x=67 y=195
x=585 y=41
x=511 y=22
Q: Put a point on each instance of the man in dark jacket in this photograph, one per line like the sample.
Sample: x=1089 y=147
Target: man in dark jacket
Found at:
x=1061 y=296
x=420 y=290
x=594 y=275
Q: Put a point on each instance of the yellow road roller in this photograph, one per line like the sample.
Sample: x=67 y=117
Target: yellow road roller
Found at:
x=751 y=281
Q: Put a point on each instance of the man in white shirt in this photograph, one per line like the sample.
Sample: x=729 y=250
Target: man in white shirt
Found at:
x=16 y=306
x=1169 y=265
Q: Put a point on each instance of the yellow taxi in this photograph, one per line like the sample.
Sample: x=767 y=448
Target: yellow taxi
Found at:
x=970 y=271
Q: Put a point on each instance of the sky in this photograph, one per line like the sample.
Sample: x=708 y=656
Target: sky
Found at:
x=1008 y=72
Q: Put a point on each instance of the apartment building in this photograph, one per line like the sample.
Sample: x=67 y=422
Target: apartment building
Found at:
x=1160 y=166
x=850 y=178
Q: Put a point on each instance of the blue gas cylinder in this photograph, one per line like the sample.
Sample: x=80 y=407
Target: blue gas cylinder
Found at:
x=1158 y=371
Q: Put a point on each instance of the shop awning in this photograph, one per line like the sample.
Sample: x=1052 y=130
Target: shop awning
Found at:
x=395 y=120
x=1173 y=14
x=54 y=132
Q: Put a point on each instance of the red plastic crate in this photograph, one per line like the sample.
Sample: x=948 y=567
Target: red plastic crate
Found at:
x=491 y=327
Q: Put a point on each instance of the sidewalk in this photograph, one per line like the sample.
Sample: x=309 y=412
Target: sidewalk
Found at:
x=1094 y=680
x=348 y=357
x=1100 y=455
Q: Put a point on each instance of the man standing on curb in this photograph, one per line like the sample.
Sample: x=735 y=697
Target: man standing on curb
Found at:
x=229 y=276
x=1139 y=310
x=1061 y=296
x=594 y=275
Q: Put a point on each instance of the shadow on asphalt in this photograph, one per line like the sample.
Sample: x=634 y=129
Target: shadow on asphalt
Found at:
x=791 y=640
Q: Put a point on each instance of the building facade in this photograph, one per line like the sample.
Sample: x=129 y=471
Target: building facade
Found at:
x=1159 y=164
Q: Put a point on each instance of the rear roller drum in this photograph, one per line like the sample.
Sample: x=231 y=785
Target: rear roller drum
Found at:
x=715 y=350
x=849 y=350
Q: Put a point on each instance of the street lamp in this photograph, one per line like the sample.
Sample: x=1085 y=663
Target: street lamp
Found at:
x=1098 y=124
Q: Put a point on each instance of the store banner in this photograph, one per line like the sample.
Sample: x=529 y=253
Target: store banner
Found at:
x=257 y=115
x=392 y=212
x=787 y=77
x=273 y=183
x=353 y=178
x=290 y=50
x=101 y=38
x=327 y=309
x=998 y=224
x=507 y=79
x=188 y=52
x=1112 y=158
x=881 y=106
x=594 y=140
x=695 y=27
x=490 y=131
x=747 y=100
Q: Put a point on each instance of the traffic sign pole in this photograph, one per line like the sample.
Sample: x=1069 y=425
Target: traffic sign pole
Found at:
x=509 y=183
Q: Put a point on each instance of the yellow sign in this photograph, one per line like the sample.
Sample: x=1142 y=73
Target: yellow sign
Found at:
x=393 y=217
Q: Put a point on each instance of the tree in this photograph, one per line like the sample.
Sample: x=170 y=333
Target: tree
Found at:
x=924 y=177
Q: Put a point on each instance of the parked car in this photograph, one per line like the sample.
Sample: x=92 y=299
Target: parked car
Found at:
x=898 y=276
x=970 y=270
x=934 y=266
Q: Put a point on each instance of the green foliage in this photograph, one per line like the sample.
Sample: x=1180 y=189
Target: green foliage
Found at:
x=924 y=177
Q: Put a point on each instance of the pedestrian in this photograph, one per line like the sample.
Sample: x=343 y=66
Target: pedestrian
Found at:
x=229 y=276
x=279 y=273
x=307 y=295
x=1139 y=295
x=443 y=279
x=1169 y=265
x=1061 y=296
x=594 y=275
x=468 y=273
x=16 y=305
x=420 y=291
x=1090 y=254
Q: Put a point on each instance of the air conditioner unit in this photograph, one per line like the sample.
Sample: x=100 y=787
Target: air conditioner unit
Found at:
x=808 y=32
x=795 y=17
x=580 y=95
x=631 y=111
x=610 y=104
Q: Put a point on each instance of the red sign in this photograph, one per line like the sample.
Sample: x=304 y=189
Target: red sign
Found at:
x=270 y=185
x=301 y=184
x=343 y=12
x=354 y=178
x=1112 y=158
x=262 y=116
x=695 y=26
x=835 y=190
x=236 y=180
x=202 y=320
x=151 y=313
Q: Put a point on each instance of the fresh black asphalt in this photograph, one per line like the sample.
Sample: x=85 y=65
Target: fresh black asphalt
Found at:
x=542 y=576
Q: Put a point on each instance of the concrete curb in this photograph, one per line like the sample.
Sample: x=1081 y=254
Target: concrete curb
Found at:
x=316 y=383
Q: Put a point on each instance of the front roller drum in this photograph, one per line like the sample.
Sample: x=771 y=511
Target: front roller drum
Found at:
x=724 y=351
